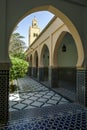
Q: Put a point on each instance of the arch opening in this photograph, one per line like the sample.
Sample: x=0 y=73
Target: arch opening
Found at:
x=78 y=44
x=30 y=65
x=67 y=22
x=45 y=62
x=58 y=62
x=66 y=61
x=66 y=54
x=36 y=64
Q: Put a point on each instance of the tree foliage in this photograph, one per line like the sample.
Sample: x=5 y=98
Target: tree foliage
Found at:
x=16 y=45
x=17 y=56
x=20 y=55
x=18 y=69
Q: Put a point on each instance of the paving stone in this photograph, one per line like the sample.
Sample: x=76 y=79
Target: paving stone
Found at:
x=24 y=96
x=52 y=102
x=47 y=104
x=29 y=107
x=38 y=97
x=33 y=98
x=19 y=106
x=47 y=96
x=57 y=95
x=50 y=94
x=27 y=102
x=30 y=94
x=11 y=109
x=43 y=92
x=63 y=99
x=56 y=98
x=11 y=103
x=37 y=104
x=14 y=97
x=62 y=102
x=42 y=100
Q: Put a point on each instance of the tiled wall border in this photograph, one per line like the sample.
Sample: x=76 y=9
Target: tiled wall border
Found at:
x=4 y=91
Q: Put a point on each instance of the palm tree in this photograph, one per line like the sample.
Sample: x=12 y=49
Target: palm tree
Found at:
x=16 y=45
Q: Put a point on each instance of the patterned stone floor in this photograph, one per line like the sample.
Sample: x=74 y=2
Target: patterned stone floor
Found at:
x=57 y=113
x=32 y=94
x=60 y=117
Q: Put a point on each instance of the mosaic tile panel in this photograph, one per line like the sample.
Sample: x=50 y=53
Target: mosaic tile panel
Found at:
x=54 y=77
x=41 y=74
x=86 y=89
x=81 y=86
x=4 y=87
x=4 y=66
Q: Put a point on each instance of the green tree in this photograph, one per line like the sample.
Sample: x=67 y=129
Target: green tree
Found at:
x=20 y=55
x=18 y=70
x=16 y=45
x=17 y=56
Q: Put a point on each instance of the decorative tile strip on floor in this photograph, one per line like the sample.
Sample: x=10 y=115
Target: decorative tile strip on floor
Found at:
x=61 y=117
x=35 y=95
x=35 y=99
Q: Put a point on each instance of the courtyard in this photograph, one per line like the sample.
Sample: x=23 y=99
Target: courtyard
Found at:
x=36 y=107
x=32 y=94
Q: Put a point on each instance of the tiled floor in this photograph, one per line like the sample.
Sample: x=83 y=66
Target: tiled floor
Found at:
x=33 y=94
x=66 y=93
x=60 y=117
x=43 y=110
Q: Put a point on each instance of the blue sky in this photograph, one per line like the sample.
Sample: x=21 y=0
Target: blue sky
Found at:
x=43 y=18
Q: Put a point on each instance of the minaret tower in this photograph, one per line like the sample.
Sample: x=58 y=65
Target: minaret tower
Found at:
x=34 y=31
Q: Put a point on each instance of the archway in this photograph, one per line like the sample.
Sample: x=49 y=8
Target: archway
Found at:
x=64 y=18
x=33 y=8
x=67 y=52
x=74 y=33
x=68 y=23
x=36 y=64
x=30 y=65
x=65 y=59
x=45 y=62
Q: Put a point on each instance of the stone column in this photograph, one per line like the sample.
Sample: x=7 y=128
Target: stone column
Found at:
x=4 y=92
